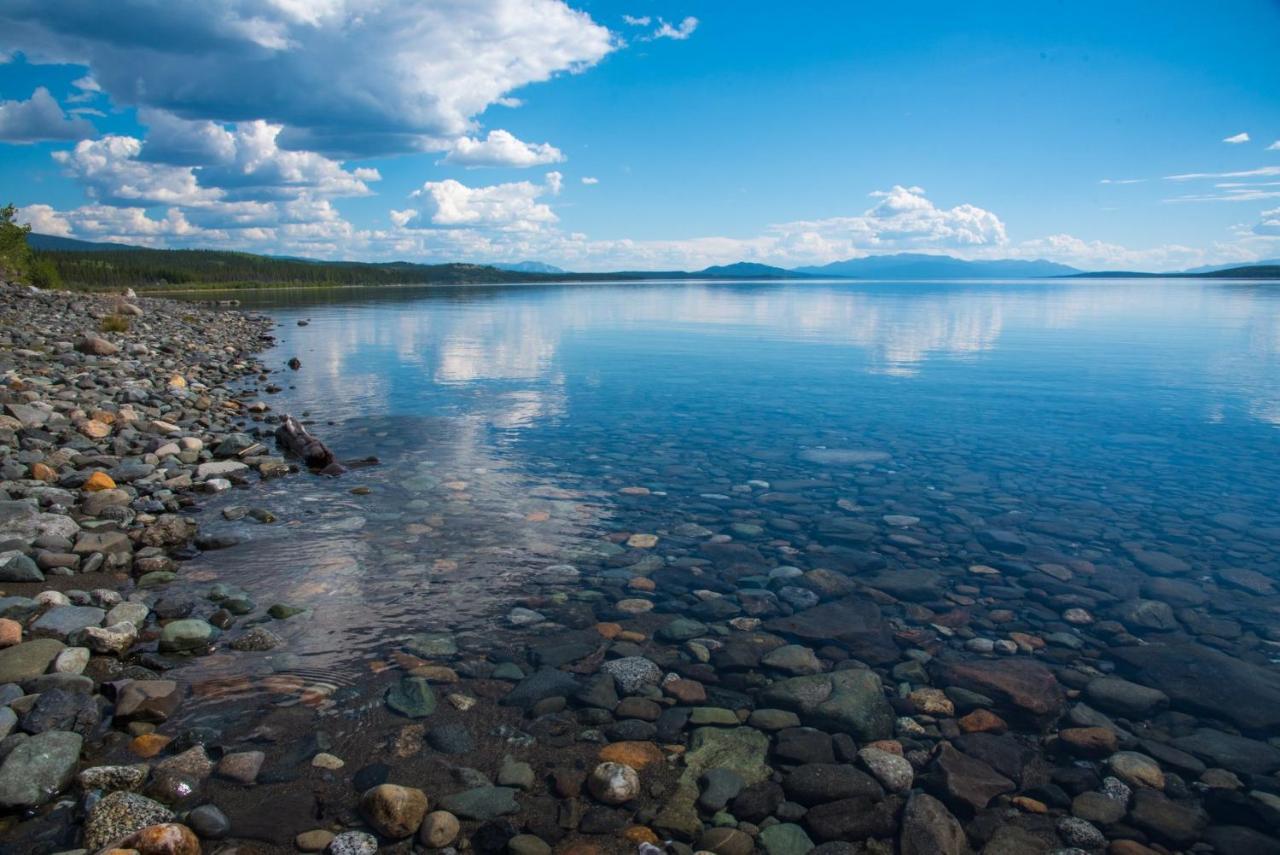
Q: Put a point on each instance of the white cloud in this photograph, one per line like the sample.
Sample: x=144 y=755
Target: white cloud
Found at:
x=39 y=118
x=503 y=207
x=341 y=77
x=903 y=218
x=587 y=179
x=89 y=89
x=110 y=172
x=112 y=223
x=1237 y=139
x=260 y=168
x=1275 y=146
x=199 y=164
x=1122 y=181
x=501 y=148
x=1248 y=173
x=1269 y=224
x=184 y=143
x=634 y=21
x=679 y=32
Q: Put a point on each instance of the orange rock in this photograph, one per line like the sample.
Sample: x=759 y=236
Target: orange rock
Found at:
x=1029 y=805
x=177 y=381
x=982 y=721
x=103 y=416
x=168 y=838
x=1089 y=741
x=635 y=754
x=1026 y=643
x=149 y=744
x=10 y=632
x=577 y=847
x=686 y=691
x=640 y=834
x=95 y=429
x=1129 y=847
x=640 y=583
x=43 y=472
x=537 y=516
x=890 y=746
x=99 y=481
x=609 y=630
x=435 y=673
x=632 y=636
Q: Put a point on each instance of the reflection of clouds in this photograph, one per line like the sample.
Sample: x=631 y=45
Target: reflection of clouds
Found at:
x=515 y=335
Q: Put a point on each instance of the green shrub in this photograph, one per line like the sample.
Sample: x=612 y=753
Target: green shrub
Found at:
x=115 y=323
x=44 y=273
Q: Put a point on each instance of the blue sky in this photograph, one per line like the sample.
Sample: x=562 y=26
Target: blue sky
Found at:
x=642 y=135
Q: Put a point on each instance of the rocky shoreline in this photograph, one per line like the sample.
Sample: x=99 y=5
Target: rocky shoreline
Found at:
x=119 y=415
x=681 y=687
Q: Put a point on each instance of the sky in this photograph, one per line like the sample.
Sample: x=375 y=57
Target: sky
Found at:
x=649 y=135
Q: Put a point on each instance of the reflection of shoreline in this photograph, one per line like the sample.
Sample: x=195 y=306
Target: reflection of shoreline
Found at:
x=475 y=335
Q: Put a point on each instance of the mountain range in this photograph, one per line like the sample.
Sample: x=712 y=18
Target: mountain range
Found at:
x=903 y=266
x=910 y=265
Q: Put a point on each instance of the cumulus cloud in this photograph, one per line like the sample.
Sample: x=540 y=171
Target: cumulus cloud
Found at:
x=109 y=171
x=342 y=77
x=111 y=223
x=516 y=220
x=587 y=179
x=501 y=148
x=1275 y=146
x=39 y=118
x=198 y=164
x=1237 y=138
x=505 y=207
x=903 y=218
x=679 y=32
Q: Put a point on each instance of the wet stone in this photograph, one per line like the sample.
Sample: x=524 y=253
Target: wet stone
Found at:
x=120 y=814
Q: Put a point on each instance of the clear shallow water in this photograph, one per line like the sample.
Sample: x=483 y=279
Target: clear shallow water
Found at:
x=1098 y=422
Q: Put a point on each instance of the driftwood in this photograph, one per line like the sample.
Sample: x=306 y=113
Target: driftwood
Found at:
x=296 y=440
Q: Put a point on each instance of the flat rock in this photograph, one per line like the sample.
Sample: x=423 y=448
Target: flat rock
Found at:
x=481 y=803
x=540 y=685
x=1237 y=753
x=1022 y=683
x=968 y=780
x=61 y=622
x=30 y=659
x=855 y=622
x=850 y=701
x=39 y=768
x=1206 y=681
x=928 y=828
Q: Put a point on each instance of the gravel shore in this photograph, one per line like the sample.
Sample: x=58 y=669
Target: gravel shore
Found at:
x=116 y=416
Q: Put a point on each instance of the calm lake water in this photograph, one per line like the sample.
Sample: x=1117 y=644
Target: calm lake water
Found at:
x=1098 y=424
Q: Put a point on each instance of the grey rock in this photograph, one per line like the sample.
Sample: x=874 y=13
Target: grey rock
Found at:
x=39 y=769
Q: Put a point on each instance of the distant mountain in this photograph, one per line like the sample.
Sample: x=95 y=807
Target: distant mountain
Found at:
x=1261 y=270
x=530 y=267
x=746 y=270
x=1214 y=268
x=63 y=244
x=909 y=265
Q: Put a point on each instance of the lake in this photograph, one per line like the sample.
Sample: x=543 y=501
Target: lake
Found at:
x=1050 y=474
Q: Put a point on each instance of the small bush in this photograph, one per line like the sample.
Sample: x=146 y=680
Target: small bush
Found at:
x=115 y=323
